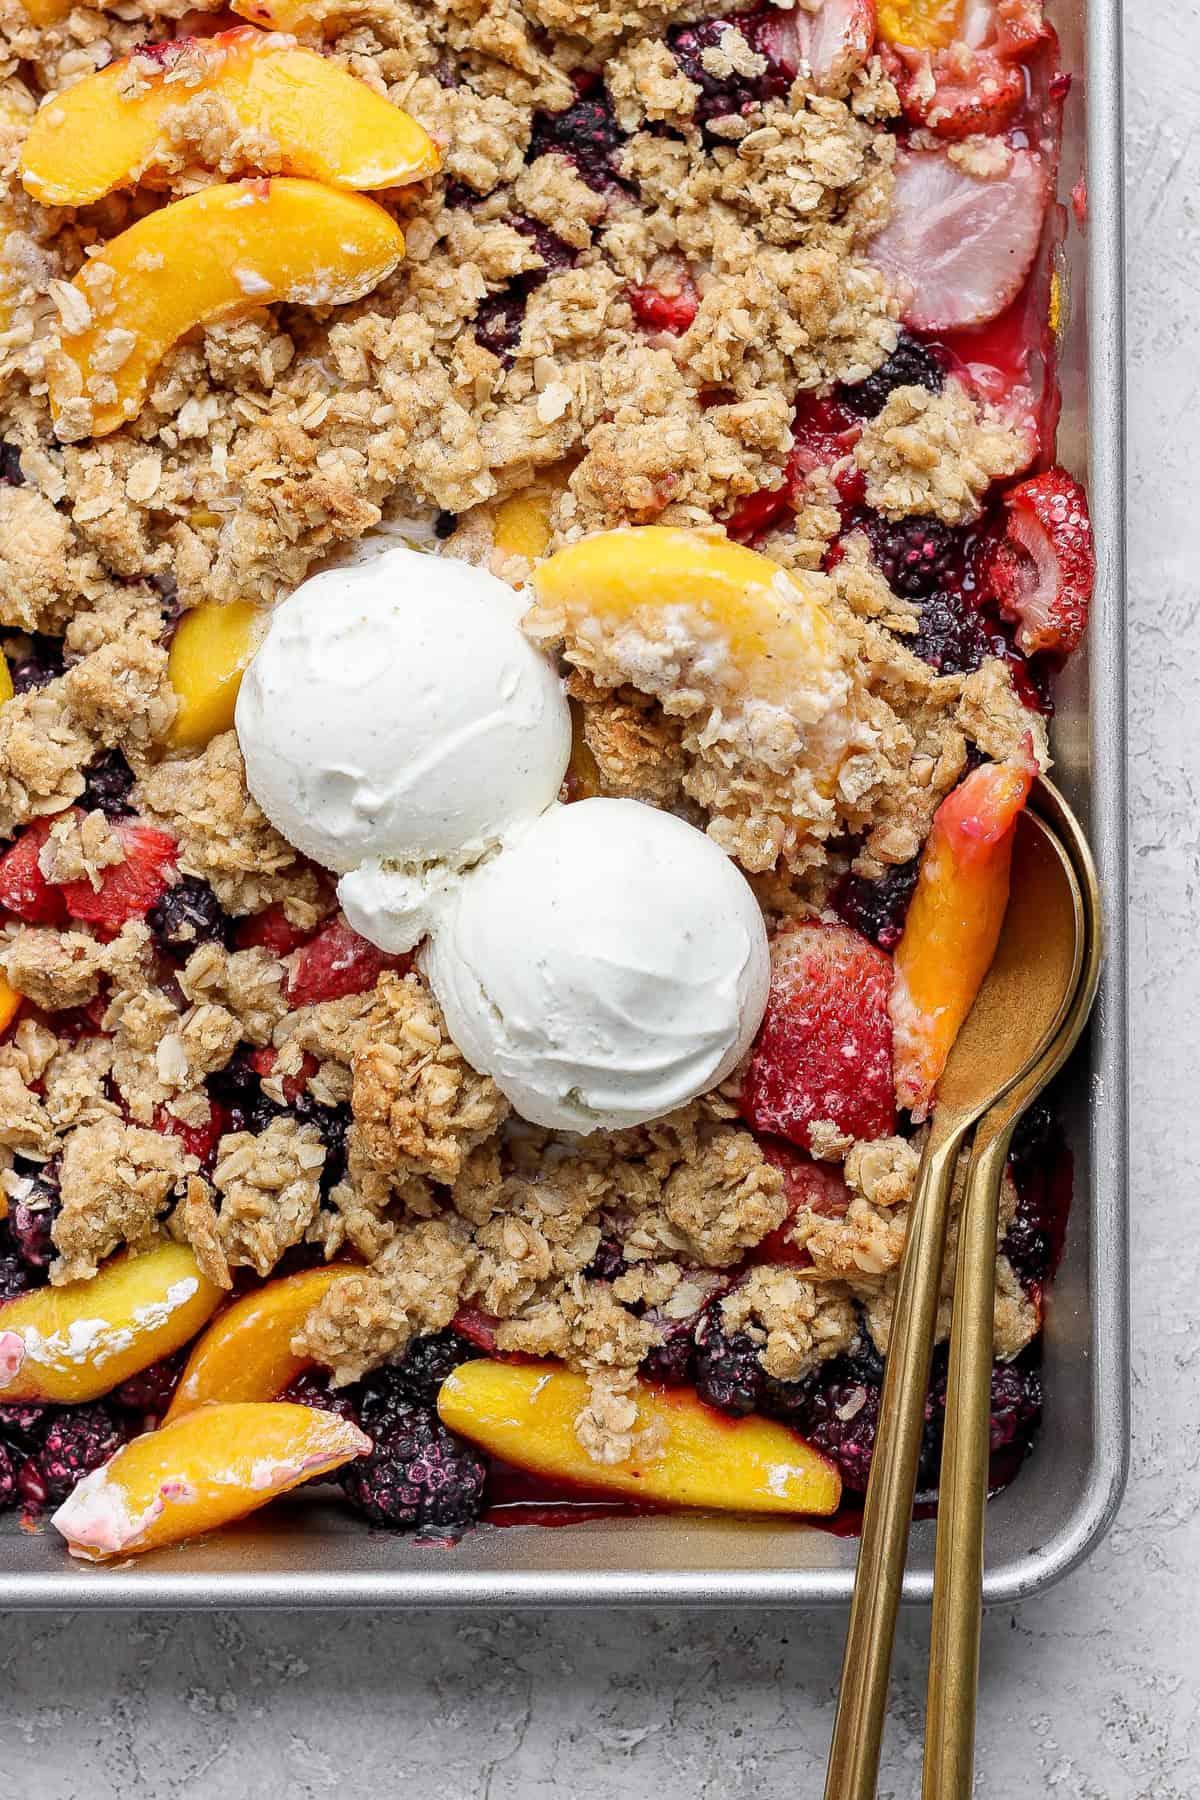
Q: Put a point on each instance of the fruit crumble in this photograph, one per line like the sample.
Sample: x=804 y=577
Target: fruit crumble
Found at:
x=531 y=564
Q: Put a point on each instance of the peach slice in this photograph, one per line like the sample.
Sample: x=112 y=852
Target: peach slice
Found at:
x=921 y=24
x=526 y=1413
x=304 y=113
x=209 y=654
x=215 y=1465
x=953 y=923
x=217 y=254
x=285 y=15
x=246 y=1353
x=80 y=1341
x=522 y=526
x=755 y=625
x=47 y=12
x=10 y=1004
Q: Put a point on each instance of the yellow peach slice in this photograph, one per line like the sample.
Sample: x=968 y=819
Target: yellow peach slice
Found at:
x=82 y=1340
x=304 y=114
x=217 y=254
x=10 y=1004
x=246 y=1353
x=47 y=12
x=6 y=686
x=522 y=526
x=526 y=1413
x=288 y=15
x=953 y=923
x=212 y=1466
x=753 y=625
x=921 y=24
x=209 y=654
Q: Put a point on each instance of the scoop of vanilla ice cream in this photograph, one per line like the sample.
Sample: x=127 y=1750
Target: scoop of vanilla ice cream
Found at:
x=396 y=712
x=608 y=966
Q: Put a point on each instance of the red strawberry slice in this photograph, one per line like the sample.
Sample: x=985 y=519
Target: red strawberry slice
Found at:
x=957 y=249
x=127 y=889
x=338 y=962
x=656 y=311
x=24 y=890
x=824 y=1050
x=833 y=42
x=199 y=1140
x=1043 y=570
x=823 y=432
x=263 y=1063
x=1019 y=26
x=973 y=92
x=808 y=1186
x=270 y=929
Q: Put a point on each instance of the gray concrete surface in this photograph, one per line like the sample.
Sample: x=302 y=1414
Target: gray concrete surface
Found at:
x=1089 y=1694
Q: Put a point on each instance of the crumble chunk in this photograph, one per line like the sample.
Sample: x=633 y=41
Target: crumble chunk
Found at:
x=223 y=835
x=937 y=453
x=270 y=1188
x=54 y=969
x=799 y=1323
x=419 y=1106
x=79 y=847
x=24 y=1123
x=116 y=1182
x=411 y=1288
x=43 y=753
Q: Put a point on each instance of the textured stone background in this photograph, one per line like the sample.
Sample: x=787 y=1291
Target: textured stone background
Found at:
x=1089 y=1693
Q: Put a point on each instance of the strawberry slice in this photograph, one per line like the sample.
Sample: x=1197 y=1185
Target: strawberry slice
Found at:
x=127 y=889
x=263 y=1063
x=656 y=311
x=973 y=92
x=957 y=249
x=24 y=890
x=1019 y=27
x=1044 y=568
x=808 y=1186
x=824 y=1050
x=823 y=432
x=338 y=962
x=199 y=1140
x=834 y=42
x=271 y=930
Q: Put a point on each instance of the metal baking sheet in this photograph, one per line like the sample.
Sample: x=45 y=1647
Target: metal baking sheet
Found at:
x=311 y=1554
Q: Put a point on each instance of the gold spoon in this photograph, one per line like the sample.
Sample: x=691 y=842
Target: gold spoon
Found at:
x=1019 y=1009
x=958 y=1569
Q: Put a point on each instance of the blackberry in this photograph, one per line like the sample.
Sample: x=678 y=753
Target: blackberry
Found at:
x=839 y=1414
x=423 y=1368
x=911 y=364
x=27 y=1229
x=15 y=1277
x=587 y=133
x=23 y=1426
x=497 y=324
x=150 y=1391
x=1016 y=1406
x=723 y=95
x=951 y=636
x=1041 y=1167
x=9 y=1491
x=189 y=914
x=107 y=786
x=10 y=465
x=312 y=1389
x=608 y=1262
x=877 y=908
x=237 y=1088
x=917 y=557
x=727 y=1372
x=41 y=663
x=333 y=1123
x=669 y=1364
x=418 y=1475
x=80 y=1438
x=554 y=253
x=445 y=525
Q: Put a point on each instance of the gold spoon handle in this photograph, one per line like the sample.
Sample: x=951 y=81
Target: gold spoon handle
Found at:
x=887 y=1517
x=958 y=1569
